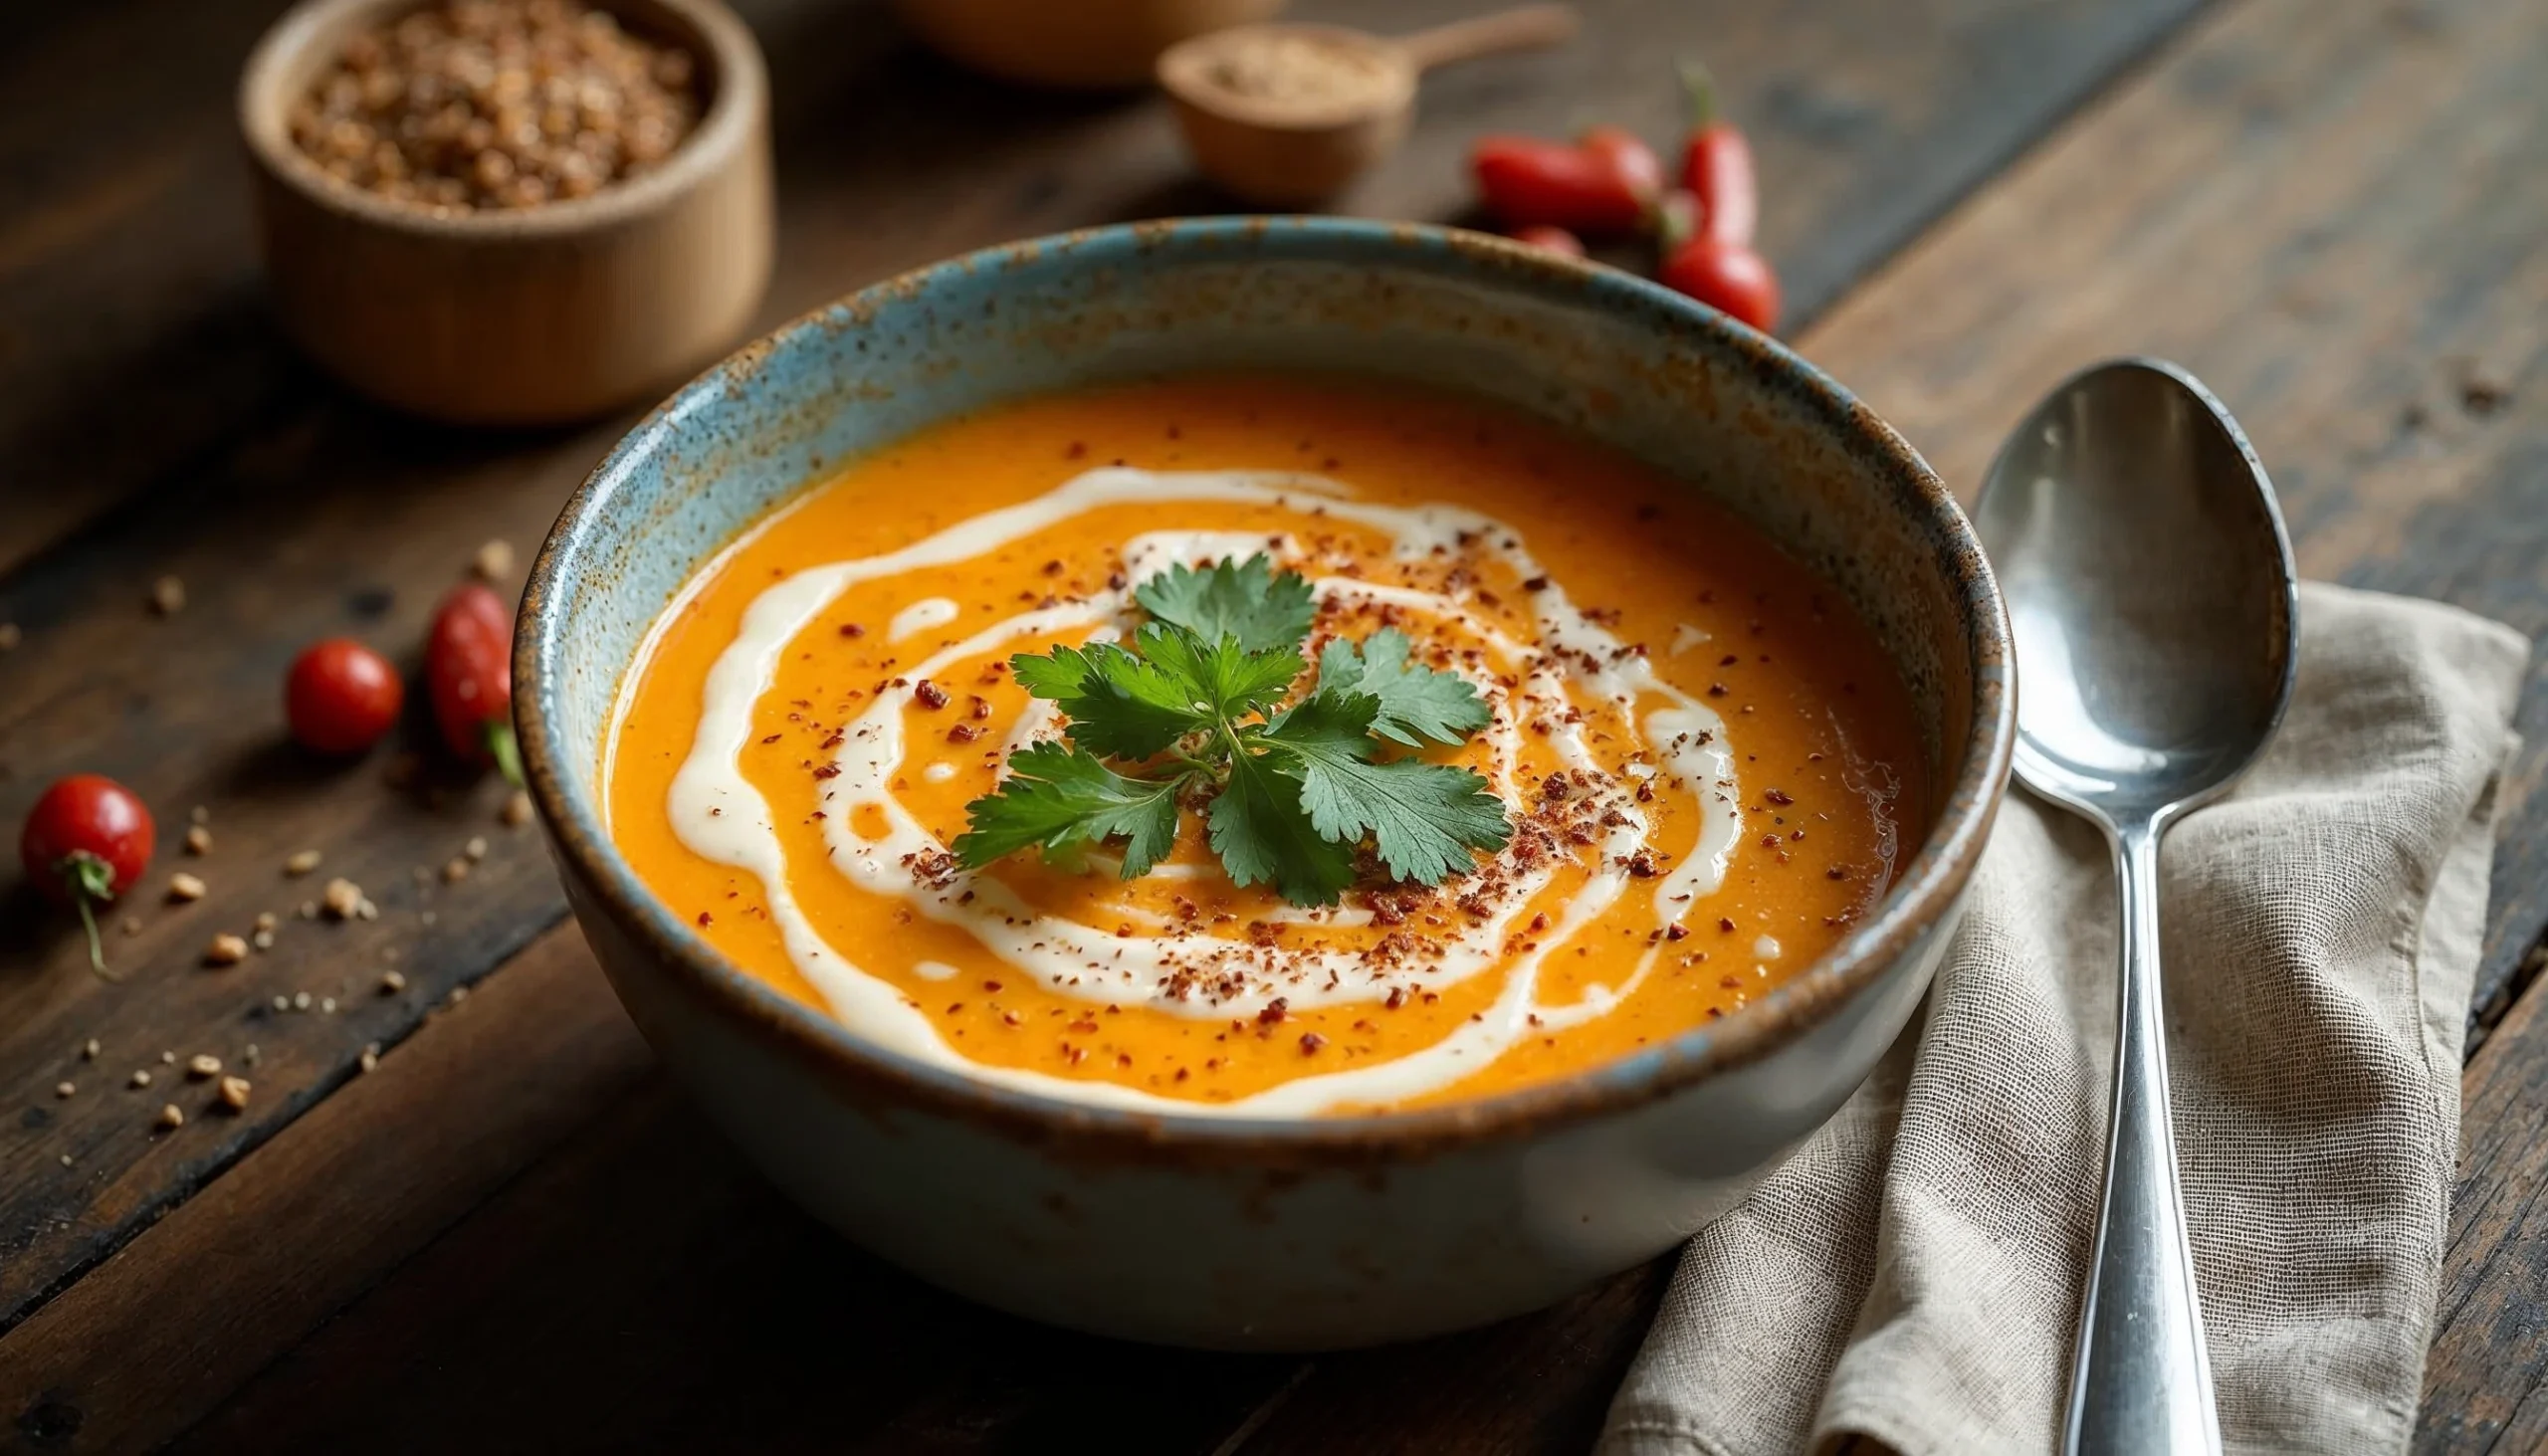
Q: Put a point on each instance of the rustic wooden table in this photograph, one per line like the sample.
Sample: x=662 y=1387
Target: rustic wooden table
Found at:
x=516 y=1236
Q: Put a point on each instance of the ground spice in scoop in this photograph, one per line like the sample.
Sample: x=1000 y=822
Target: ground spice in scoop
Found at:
x=467 y=104
x=1292 y=69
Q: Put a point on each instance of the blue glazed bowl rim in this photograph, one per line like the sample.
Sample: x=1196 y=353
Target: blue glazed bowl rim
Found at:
x=1925 y=892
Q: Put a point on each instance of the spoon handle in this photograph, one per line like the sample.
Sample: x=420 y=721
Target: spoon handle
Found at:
x=1530 y=28
x=2140 y=1381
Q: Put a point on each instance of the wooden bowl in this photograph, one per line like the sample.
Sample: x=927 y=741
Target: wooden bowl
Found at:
x=1072 y=44
x=535 y=315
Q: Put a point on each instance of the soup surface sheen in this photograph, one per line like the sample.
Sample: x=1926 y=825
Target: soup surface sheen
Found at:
x=1707 y=760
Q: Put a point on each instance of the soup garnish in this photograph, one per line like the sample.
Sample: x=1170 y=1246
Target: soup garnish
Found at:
x=1292 y=790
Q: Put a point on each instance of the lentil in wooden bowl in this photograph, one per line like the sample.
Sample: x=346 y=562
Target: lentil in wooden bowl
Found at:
x=511 y=211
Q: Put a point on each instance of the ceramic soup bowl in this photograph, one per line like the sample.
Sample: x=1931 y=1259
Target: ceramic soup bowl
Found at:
x=1270 y=1234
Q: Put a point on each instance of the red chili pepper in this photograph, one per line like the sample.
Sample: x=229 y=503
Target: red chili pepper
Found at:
x=1601 y=187
x=1727 y=277
x=86 y=841
x=470 y=673
x=1555 y=240
x=1715 y=165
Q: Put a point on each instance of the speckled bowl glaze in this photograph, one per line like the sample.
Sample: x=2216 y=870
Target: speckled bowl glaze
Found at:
x=1297 y=1234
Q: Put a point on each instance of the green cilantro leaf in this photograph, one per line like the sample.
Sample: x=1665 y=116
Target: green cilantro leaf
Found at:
x=1416 y=702
x=1119 y=704
x=1423 y=818
x=1234 y=681
x=1246 y=599
x=1261 y=833
x=1064 y=799
x=1300 y=788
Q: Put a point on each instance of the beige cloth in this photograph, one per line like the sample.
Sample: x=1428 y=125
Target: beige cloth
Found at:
x=1914 y=1273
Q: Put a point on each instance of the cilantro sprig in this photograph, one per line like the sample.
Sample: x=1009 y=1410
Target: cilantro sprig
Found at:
x=1187 y=713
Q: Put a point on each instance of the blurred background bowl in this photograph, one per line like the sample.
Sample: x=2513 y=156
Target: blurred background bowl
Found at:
x=527 y=316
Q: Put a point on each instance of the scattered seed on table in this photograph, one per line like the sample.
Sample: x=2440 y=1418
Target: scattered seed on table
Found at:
x=225 y=949
x=364 y=910
x=494 y=561
x=65 y=1159
x=455 y=870
x=457 y=996
x=132 y=924
x=371 y=1056
x=301 y=1000
x=308 y=910
x=234 y=1093
x=517 y=811
x=391 y=982
x=262 y=939
x=172 y=1116
x=204 y=1065
x=89 y=1050
x=327 y=1004
x=248 y=1054
x=167 y=596
x=64 y=1089
x=167 y=1059
x=283 y=1004
x=198 y=840
x=184 y=887
x=301 y=862
x=341 y=899
x=266 y=920
x=141 y=1077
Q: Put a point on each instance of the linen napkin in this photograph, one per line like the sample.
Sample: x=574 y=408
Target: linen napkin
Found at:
x=1913 y=1273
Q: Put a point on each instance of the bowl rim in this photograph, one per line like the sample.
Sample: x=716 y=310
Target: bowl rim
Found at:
x=1926 y=891
x=739 y=94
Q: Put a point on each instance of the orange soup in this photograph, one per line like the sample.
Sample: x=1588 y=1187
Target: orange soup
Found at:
x=1704 y=760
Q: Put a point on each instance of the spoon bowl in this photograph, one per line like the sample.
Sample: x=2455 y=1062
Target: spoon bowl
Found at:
x=2152 y=604
x=2150 y=584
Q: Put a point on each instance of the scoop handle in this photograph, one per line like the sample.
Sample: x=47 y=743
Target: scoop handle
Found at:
x=1529 y=28
x=2141 y=1384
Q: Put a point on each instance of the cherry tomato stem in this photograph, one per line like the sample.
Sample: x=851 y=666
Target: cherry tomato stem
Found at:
x=469 y=674
x=86 y=841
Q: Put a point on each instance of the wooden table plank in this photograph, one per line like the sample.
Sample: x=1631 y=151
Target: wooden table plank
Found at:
x=2332 y=215
x=137 y=361
x=1936 y=342
x=2486 y=1379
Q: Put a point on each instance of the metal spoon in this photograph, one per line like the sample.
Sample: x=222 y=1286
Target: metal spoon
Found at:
x=2151 y=588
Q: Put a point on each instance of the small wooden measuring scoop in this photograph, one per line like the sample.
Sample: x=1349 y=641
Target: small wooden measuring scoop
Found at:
x=1285 y=115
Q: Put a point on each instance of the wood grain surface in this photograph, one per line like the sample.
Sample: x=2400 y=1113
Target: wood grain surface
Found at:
x=137 y=364
x=516 y=1236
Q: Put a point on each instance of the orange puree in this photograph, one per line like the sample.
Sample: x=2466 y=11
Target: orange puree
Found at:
x=1607 y=924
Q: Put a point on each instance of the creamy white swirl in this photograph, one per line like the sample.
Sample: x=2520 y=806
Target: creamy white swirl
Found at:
x=1681 y=747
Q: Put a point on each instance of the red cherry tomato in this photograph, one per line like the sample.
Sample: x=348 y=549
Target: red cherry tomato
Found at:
x=1716 y=166
x=469 y=671
x=341 y=696
x=86 y=841
x=1727 y=277
x=1526 y=182
x=1555 y=240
